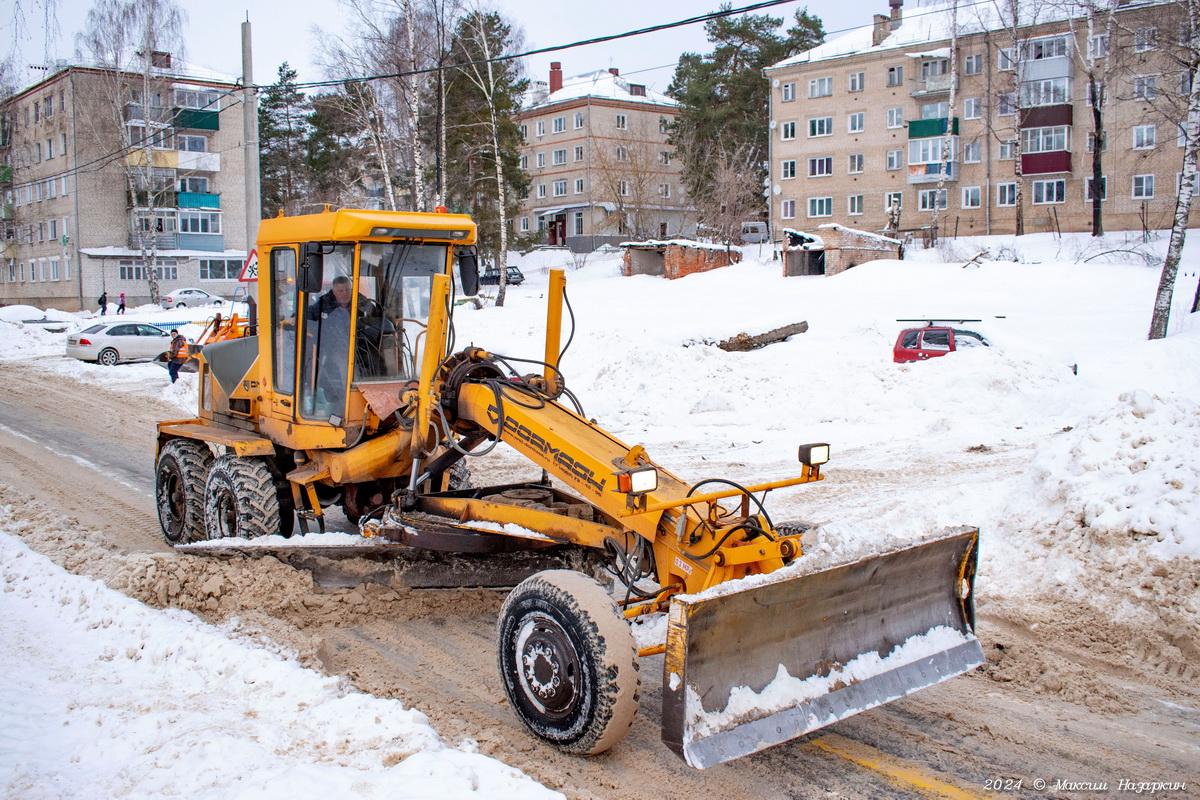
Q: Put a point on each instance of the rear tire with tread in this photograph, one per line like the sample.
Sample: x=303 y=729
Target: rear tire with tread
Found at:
x=240 y=499
x=567 y=662
x=108 y=357
x=179 y=481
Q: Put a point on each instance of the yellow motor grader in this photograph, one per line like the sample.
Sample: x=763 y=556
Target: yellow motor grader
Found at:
x=346 y=388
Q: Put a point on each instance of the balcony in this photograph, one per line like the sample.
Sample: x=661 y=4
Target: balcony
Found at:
x=938 y=84
x=142 y=199
x=6 y=174
x=1045 y=163
x=1047 y=68
x=1047 y=116
x=932 y=173
x=6 y=211
x=159 y=241
x=136 y=112
x=197 y=119
x=199 y=200
x=198 y=162
x=924 y=128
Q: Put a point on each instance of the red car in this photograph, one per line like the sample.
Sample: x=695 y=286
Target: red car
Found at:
x=931 y=341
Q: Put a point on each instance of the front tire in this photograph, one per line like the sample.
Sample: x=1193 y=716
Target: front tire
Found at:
x=567 y=662
x=108 y=357
x=179 y=480
x=240 y=499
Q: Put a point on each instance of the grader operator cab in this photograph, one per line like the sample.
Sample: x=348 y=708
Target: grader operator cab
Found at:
x=350 y=390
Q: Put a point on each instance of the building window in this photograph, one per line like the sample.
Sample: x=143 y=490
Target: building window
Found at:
x=932 y=151
x=560 y=124
x=579 y=152
x=1004 y=59
x=855 y=122
x=199 y=222
x=541 y=190
x=664 y=190
x=1006 y=104
x=856 y=163
x=578 y=120
x=1006 y=194
x=1145 y=39
x=622 y=122
x=973 y=64
x=1098 y=45
x=972 y=108
x=895 y=117
x=1047 y=192
x=541 y=127
x=787 y=92
x=787 y=170
x=895 y=76
x=1143 y=187
x=820 y=126
x=1091 y=142
x=820 y=206
x=857 y=81
x=893 y=199
x=935 y=110
x=664 y=158
x=560 y=156
x=895 y=159
x=195 y=185
x=524 y=224
x=972 y=152
x=192 y=144
x=934 y=69
x=1044 y=47
x=820 y=87
x=579 y=223
x=220 y=269
x=1094 y=89
x=1007 y=151
x=622 y=154
x=820 y=167
x=623 y=188
x=1049 y=92
x=1145 y=87
x=560 y=188
x=787 y=131
x=579 y=186
x=1144 y=137
x=1087 y=189
x=926 y=198
x=787 y=209
x=524 y=162
x=1044 y=140
x=970 y=197
x=854 y=205
x=541 y=160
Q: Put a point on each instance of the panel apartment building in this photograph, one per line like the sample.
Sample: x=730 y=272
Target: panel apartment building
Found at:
x=72 y=225
x=595 y=147
x=863 y=122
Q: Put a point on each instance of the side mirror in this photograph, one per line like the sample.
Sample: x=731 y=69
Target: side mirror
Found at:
x=468 y=273
x=312 y=267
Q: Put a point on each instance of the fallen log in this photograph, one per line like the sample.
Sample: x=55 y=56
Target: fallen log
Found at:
x=744 y=341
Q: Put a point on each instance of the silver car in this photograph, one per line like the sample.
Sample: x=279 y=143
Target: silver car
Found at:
x=184 y=298
x=109 y=343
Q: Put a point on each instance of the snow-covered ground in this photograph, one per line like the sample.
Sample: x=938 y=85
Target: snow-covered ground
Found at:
x=1086 y=436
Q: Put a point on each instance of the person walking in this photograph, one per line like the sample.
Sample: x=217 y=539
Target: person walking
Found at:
x=103 y=301
x=177 y=355
x=121 y=304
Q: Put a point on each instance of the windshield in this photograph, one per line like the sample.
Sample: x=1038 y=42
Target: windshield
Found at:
x=396 y=280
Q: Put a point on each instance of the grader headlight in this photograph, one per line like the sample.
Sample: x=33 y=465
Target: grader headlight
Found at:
x=638 y=481
x=814 y=455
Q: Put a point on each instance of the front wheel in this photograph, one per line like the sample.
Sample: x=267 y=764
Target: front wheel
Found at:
x=181 y=305
x=108 y=357
x=179 y=479
x=567 y=661
x=240 y=499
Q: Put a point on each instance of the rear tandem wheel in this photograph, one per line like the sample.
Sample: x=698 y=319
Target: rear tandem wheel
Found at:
x=179 y=479
x=240 y=499
x=567 y=661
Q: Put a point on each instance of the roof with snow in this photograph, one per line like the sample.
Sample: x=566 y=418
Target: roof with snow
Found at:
x=930 y=21
x=599 y=84
x=126 y=252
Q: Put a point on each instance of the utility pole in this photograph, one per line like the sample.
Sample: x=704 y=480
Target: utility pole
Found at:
x=250 y=139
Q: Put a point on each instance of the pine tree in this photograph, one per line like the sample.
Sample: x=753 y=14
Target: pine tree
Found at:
x=283 y=128
x=725 y=100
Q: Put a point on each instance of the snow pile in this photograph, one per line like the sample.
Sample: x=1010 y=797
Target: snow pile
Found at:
x=20 y=341
x=1132 y=470
x=110 y=698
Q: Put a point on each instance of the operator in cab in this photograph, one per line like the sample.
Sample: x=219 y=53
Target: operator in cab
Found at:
x=329 y=338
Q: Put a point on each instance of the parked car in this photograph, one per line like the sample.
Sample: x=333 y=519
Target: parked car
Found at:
x=932 y=341
x=754 y=233
x=109 y=343
x=183 y=298
x=491 y=276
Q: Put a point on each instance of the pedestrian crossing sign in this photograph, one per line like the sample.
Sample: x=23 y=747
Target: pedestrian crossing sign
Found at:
x=250 y=270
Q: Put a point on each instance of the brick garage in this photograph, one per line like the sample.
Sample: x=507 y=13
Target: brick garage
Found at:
x=834 y=249
x=675 y=259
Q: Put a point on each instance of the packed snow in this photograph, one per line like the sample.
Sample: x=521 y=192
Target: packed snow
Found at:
x=1072 y=443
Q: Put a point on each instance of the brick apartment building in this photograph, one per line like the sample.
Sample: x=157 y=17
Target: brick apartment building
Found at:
x=71 y=226
x=602 y=171
x=859 y=123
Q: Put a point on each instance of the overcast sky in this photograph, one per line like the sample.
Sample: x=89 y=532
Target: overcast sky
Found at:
x=289 y=31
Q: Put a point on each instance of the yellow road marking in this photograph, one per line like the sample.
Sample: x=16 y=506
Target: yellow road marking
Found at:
x=899 y=771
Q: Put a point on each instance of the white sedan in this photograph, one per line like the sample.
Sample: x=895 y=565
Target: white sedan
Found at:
x=184 y=298
x=120 y=341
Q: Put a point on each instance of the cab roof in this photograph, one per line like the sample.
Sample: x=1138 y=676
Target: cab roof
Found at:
x=355 y=224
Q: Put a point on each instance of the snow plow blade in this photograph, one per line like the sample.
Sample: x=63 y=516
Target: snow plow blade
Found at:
x=750 y=669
